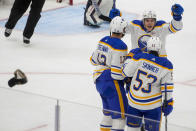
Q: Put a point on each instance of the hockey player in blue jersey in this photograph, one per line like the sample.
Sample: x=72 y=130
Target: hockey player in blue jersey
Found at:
x=142 y=30
x=108 y=59
x=151 y=79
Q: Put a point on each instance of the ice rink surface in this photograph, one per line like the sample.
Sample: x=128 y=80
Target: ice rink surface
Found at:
x=58 y=67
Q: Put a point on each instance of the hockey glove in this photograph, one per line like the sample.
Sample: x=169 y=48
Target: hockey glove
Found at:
x=114 y=12
x=177 y=11
x=167 y=107
x=105 y=18
x=18 y=79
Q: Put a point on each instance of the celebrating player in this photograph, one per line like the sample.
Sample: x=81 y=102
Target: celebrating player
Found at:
x=108 y=59
x=152 y=82
x=142 y=30
x=97 y=11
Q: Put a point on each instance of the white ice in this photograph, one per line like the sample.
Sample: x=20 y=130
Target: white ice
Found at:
x=58 y=67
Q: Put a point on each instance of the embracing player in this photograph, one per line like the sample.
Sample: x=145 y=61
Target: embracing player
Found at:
x=142 y=30
x=151 y=79
x=108 y=59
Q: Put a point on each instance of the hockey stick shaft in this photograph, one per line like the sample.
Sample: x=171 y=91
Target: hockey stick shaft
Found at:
x=165 y=101
x=114 y=4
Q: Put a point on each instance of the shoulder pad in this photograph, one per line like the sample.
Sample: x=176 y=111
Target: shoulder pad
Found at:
x=114 y=43
x=160 y=23
x=138 y=22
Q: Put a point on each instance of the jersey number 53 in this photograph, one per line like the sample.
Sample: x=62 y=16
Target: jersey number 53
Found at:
x=147 y=76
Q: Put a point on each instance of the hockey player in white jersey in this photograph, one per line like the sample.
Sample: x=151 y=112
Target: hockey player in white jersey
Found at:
x=108 y=59
x=149 y=26
x=98 y=11
x=151 y=79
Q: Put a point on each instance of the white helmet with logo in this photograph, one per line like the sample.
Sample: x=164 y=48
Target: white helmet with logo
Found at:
x=154 y=44
x=118 y=25
x=149 y=14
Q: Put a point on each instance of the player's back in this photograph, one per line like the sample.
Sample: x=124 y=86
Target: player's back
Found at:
x=110 y=54
x=148 y=73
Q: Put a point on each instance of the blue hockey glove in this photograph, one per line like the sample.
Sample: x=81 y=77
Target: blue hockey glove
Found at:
x=177 y=11
x=114 y=12
x=167 y=107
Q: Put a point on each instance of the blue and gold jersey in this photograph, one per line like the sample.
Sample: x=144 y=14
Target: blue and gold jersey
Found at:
x=151 y=74
x=133 y=52
x=139 y=35
x=109 y=55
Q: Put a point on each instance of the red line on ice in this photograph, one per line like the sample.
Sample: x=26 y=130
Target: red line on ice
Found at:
x=38 y=127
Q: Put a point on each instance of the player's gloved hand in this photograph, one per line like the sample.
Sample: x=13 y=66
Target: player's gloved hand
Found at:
x=114 y=12
x=105 y=18
x=167 y=107
x=19 y=78
x=177 y=11
x=127 y=82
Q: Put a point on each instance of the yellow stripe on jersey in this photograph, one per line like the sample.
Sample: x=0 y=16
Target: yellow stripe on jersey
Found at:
x=160 y=121
x=98 y=72
x=172 y=28
x=146 y=97
x=153 y=63
x=130 y=54
x=116 y=70
x=171 y=103
x=144 y=104
x=123 y=74
x=111 y=46
x=101 y=70
x=132 y=124
x=137 y=25
x=95 y=74
x=92 y=61
x=162 y=55
x=120 y=99
x=104 y=129
x=106 y=112
x=168 y=88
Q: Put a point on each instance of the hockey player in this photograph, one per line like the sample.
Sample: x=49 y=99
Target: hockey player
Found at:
x=108 y=59
x=98 y=11
x=18 y=9
x=151 y=79
x=141 y=30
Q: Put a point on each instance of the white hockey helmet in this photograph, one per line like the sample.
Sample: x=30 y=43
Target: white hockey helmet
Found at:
x=118 y=25
x=149 y=14
x=154 y=44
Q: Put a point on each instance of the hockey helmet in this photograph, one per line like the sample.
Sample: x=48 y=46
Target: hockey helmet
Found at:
x=118 y=25
x=154 y=44
x=149 y=14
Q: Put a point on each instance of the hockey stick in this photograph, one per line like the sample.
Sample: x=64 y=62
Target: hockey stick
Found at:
x=114 y=4
x=165 y=104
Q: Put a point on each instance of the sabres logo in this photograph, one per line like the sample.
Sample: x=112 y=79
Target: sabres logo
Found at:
x=142 y=41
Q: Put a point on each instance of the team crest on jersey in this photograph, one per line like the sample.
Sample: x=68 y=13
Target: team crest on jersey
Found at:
x=142 y=41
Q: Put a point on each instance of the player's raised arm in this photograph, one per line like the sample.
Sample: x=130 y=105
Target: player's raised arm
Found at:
x=176 y=23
